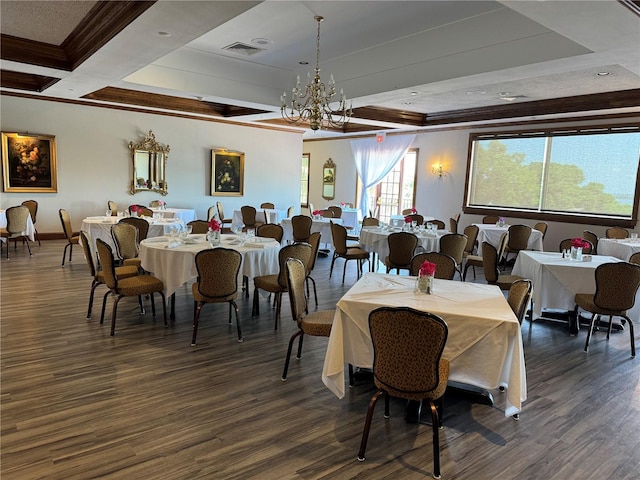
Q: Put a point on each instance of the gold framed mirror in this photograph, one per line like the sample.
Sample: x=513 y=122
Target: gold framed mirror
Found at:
x=149 y=159
x=329 y=180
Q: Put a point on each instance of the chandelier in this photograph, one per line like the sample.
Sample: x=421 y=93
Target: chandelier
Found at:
x=311 y=103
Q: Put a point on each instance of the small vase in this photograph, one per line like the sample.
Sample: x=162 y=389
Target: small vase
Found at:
x=134 y=214
x=576 y=253
x=425 y=284
x=213 y=238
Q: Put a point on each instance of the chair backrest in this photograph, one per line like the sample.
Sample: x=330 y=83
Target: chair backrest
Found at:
x=270 y=230
x=407 y=211
x=86 y=248
x=141 y=225
x=199 y=226
x=416 y=217
x=542 y=228
x=471 y=231
x=453 y=225
x=370 y=222
x=337 y=211
x=248 y=215
x=32 y=205
x=339 y=238
x=290 y=212
x=326 y=213
x=439 y=223
x=65 y=220
x=490 y=262
x=518 y=237
x=502 y=244
x=218 y=272
x=267 y=205
x=402 y=246
x=456 y=217
x=445 y=264
x=220 y=211
x=301 y=228
x=113 y=206
x=142 y=210
x=519 y=296
x=154 y=203
x=301 y=251
x=490 y=219
x=635 y=258
x=453 y=244
x=296 y=274
x=125 y=238
x=211 y=212
x=617 y=232
x=591 y=237
x=105 y=254
x=616 y=285
x=407 y=348
x=314 y=241
x=17 y=219
x=566 y=245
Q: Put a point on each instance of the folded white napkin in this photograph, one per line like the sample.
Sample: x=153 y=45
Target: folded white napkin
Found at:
x=254 y=245
x=174 y=244
x=155 y=240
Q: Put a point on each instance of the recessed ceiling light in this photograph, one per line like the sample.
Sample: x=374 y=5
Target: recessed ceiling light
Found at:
x=413 y=94
x=261 y=41
x=603 y=74
x=164 y=34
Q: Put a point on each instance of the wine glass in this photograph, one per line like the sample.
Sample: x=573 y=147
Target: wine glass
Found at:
x=107 y=213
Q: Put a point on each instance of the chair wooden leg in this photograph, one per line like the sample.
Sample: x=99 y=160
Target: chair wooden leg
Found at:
x=435 y=423
x=278 y=305
x=196 y=317
x=255 y=310
x=235 y=307
x=286 y=362
x=367 y=425
x=586 y=344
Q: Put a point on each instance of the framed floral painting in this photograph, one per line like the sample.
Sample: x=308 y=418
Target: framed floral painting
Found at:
x=29 y=163
x=227 y=172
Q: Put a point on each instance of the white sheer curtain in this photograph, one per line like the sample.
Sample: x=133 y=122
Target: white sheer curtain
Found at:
x=374 y=160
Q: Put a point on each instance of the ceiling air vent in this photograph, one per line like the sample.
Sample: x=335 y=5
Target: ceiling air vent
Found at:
x=243 y=48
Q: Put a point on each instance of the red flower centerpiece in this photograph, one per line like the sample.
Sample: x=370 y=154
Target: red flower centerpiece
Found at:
x=134 y=210
x=425 y=276
x=213 y=235
x=408 y=219
x=317 y=213
x=413 y=210
x=577 y=244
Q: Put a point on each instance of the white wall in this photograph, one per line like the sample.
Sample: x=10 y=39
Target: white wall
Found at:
x=94 y=163
x=441 y=197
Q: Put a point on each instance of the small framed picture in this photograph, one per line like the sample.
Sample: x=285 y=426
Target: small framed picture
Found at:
x=29 y=163
x=227 y=172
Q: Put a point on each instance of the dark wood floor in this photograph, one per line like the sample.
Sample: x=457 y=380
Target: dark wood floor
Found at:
x=79 y=404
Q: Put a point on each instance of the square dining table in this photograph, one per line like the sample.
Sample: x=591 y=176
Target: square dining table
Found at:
x=621 y=248
x=491 y=233
x=484 y=346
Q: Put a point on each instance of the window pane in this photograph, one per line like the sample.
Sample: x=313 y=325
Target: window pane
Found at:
x=304 y=180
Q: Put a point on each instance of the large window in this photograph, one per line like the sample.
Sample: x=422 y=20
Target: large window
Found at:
x=582 y=173
x=304 y=180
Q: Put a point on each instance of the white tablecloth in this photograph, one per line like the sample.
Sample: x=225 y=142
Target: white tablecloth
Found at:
x=100 y=227
x=351 y=218
x=322 y=225
x=622 y=249
x=176 y=266
x=556 y=280
x=185 y=214
x=275 y=216
x=29 y=232
x=373 y=239
x=492 y=233
x=484 y=346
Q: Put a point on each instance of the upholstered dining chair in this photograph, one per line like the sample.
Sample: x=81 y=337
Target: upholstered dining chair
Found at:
x=249 y=217
x=407 y=211
x=141 y=225
x=16 y=225
x=542 y=227
x=416 y=217
x=518 y=239
x=277 y=283
x=471 y=231
x=616 y=287
x=490 y=219
x=490 y=265
x=139 y=286
x=113 y=206
x=454 y=245
x=593 y=238
x=267 y=205
x=453 y=225
x=617 y=232
x=342 y=250
x=314 y=241
x=142 y=210
x=445 y=264
x=370 y=222
x=317 y=324
x=336 y=211
x=73 y=238
x=290 y=212
x=635 y=258
x=154 y=203
x=32 y=205
x=271 y=230
x=198 y=226
x=326 y=213
x=519 y=296
x=301 y=228
x=408 y=364
x=440 y=225
x=212 y=213
x=402 y=246
x=217 y=283
x=226 y=222
x=566 y=245
x=474 y=261
x=125 y=238
x=98 y=275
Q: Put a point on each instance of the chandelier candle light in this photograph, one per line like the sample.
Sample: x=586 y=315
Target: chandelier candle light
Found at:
x=311 y=103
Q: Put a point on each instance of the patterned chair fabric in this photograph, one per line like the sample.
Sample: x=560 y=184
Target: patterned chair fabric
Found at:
x=341 y=250
x=113 y=206
x=402 y=247
x=635 y=258
x=593 y=238
x=490 y=219
x=490 y=266
x=408 y=364
x=249 y=217
x=616 y=287
x=566 y=245
x=16 y=225
x=198 y=226
x=277 y=284
x=336 y=211
x=154 y=203
x=439 y=223
x=454 y=244
x=267 y=205
x=453 y=225
x=519 y=296
x=316 y=324
x=301 y=228
x=224 y=220
x=137 y=286
x=314 y=241
x=141 y=225
x=370 y=222
x=542 y=228
x=125 y=238
x=271 y=230
x=471 y=231
x=617 y=232
x=217 y=283
x=518 y=239
x=142 y=210
x=416 y=217
x=72 y=237
x=445 y=264
x=32 y=205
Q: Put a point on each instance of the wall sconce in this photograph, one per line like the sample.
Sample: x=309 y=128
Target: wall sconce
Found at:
x=438 y=169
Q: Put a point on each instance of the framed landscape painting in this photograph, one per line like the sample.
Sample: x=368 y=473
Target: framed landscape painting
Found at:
x=29 y=163
x=227 y=172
